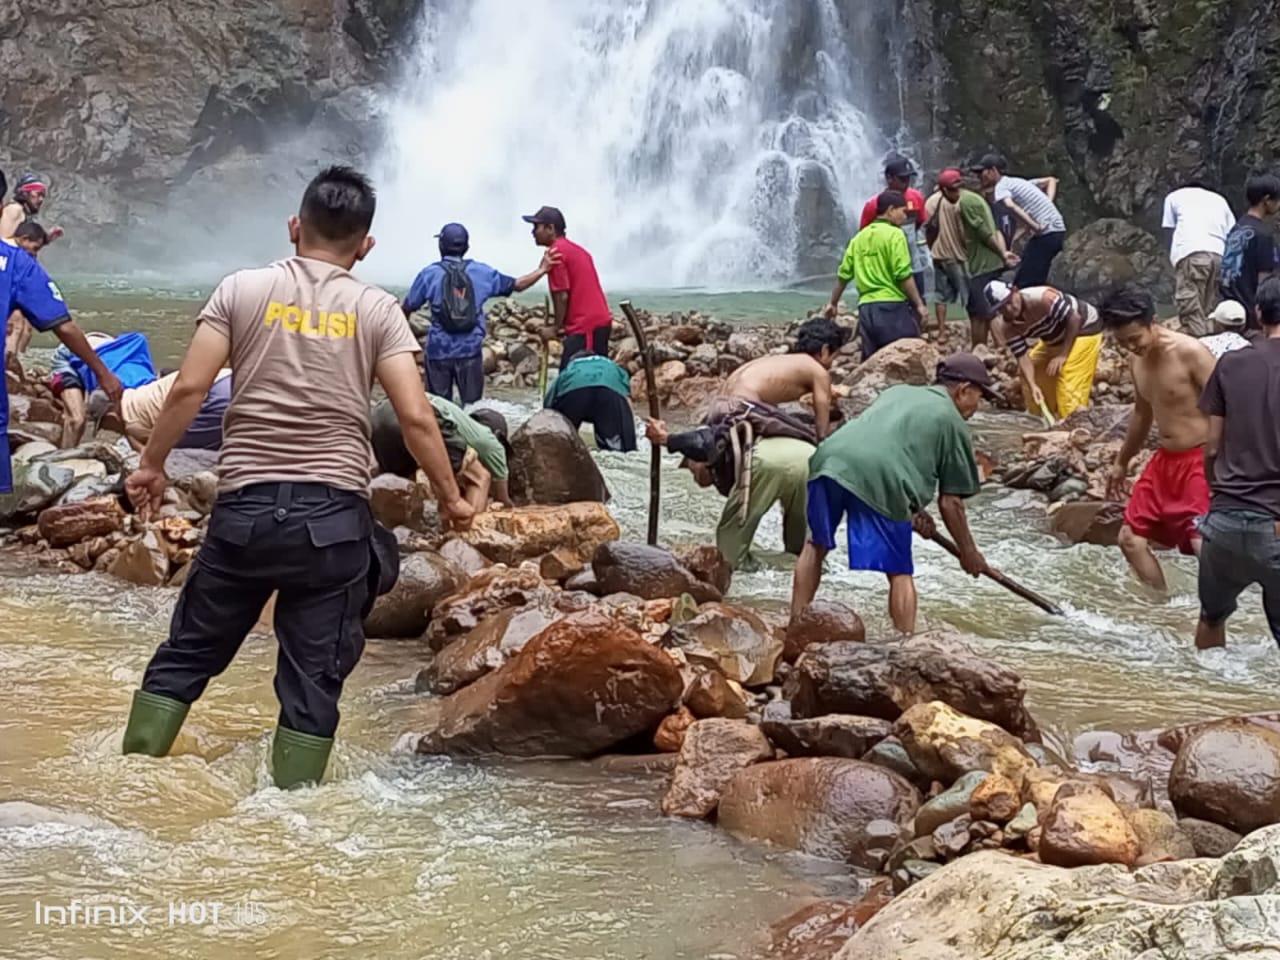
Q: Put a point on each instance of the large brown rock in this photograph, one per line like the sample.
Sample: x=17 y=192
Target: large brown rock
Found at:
x=1086 y=521
x=647 y=572
x=733 y=640
x=1160 y=837
x=405 y=611
x=576 y=689
x=526 y=533
x=551 y=464
x=833 y=735
x=996 y=799
x=395 y=501
x=1229 y=773
x=910 y=360
x=823 y=621
x=884 y=679
x=1084 y=827
x=493 y=589
x=62 y=526
x=945 y=744
x=708 y=564
x=144 y=561
x=494 y=641
x=818 y=805
x=710 y=694
x=713 y=751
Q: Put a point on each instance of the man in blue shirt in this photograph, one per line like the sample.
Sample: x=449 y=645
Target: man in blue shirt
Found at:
x=25 y=286
x=453 y=344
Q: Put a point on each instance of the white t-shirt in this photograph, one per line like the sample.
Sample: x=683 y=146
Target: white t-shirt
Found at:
x=1200 y=220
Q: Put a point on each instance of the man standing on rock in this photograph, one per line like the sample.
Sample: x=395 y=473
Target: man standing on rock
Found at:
x=898 y=174
x=456 y=290
x=944 y=231
x=1242 y=459
x=306 y=340
x=1170 y=370
x=879 y=261
x=1249 y=255
x=1199 y=221
x=882 y=469
x=988 y=255
x=1031 y=201
x=582 y=320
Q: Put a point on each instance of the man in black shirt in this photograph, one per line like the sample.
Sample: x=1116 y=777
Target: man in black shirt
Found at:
x=1250 y=255
x=1241 y=534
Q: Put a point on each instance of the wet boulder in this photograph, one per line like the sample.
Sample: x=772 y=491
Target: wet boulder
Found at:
x=1229 y=773
x=823 y=621
x=910 y=360
x=832 y=735
x=712 y=752
x=527 y=533
x=578 y=688
x=550 y=464
x=945 y=744
x=405 y=611
x=647 y=572
x=35 y=486
x=1209 y=839
x=1112 y=251
x=1087 y=521
x=708 y=564
x=710 y=694
x=493 y=589
x=950 y=804
x=672 y=731
x=491 y=644
x=825 y=806
x=62 y=526
x=884 y=679
x=733 y=640
x=144 y=561
x=1160 y=837
x=995 y=799
x=818 y=930
x=395 y=501
x=1083 y=827
x=464 y=556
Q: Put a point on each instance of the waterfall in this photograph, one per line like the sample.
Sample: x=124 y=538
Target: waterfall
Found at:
x=714 y=143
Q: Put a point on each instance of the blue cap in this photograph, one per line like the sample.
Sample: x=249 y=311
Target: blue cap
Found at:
x=453 y=238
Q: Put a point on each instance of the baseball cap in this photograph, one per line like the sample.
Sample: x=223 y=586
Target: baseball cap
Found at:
x=898 y=166
x=990 y=160
x=1229 y=313
x=548 y=215
x=950 y=177
x=696 y=446
x=996 y=293
x=454 y=236
x=966 y=368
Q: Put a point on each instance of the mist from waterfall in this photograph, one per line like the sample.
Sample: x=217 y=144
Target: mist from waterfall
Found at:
x=687 y=143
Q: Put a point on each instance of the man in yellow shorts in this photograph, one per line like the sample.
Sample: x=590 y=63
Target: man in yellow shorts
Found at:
x=1059 y=369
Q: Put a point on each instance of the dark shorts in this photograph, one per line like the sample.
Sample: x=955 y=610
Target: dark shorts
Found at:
x=977 y=299
x=609 y=414
x=880 y=324
x=950 y=282
x=1239 y=549
x=577 y=342
x=1037 y=259
x=875 y=541
x=466 y=372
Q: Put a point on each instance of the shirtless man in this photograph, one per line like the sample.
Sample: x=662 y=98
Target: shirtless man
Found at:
x=781 y=379
x=1169 y=370
x=28 y=197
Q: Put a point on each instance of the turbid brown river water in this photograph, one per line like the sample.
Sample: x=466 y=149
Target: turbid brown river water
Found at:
x=395 y=857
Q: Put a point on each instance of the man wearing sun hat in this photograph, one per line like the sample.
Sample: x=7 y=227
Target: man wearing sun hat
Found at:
x=882 y=469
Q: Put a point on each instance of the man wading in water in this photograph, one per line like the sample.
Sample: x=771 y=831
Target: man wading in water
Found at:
x=1170 y=370
x=305 y=339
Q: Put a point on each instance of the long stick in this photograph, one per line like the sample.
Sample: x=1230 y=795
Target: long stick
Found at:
x=655 y=411
x=544 y=360
x=1010 y=585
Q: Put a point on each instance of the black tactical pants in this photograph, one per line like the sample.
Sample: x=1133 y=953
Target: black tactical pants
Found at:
x=311 y=543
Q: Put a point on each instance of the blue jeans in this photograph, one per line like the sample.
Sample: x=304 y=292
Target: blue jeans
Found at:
x=1240 y=548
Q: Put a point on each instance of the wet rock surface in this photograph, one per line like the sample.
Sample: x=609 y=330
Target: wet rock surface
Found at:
x=425 y=579
x=712 y=752
x=525 y=533
x=1229 y=773
x=550 y=464
x=647 y=572
x=733 y=640
x=823 y=621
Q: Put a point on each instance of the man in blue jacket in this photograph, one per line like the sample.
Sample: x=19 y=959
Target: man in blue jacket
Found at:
x=456 y=289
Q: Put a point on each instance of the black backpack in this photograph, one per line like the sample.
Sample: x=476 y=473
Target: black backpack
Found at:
x=456 y=311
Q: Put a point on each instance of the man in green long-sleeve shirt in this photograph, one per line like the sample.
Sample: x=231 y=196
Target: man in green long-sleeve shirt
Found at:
x=988 y=257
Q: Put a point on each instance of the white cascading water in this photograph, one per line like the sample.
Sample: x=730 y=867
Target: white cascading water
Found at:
x=659 y=127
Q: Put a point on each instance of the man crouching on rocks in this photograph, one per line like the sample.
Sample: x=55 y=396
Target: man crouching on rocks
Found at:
x=306 y=339
x=882 y=469
x=1170 y=370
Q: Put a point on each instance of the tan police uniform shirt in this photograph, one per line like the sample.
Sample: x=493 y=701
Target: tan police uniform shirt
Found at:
x=950 y=244
x=141 y=406
x=306 y=337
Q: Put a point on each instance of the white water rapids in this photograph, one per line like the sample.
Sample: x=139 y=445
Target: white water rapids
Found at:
x=687 y=143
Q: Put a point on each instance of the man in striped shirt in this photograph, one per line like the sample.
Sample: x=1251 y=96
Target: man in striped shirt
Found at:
x=1059 y=369
x=1031 y=201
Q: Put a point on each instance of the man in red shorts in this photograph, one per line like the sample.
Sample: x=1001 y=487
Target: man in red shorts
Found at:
x=1169 y=370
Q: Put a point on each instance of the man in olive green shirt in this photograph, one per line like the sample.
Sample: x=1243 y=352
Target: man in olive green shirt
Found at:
x=882 y=469
x=879 y=261
x=984 y=244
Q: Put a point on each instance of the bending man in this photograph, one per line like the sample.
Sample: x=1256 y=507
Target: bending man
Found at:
x=593 y=389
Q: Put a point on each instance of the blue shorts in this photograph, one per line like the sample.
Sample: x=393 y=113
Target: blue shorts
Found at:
x=875 y=541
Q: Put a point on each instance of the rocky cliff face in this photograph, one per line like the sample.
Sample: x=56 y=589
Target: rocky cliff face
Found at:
x=123 y=102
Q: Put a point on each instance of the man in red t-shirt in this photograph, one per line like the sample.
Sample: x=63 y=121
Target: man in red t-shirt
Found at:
x=898 y=174
x=582 y=317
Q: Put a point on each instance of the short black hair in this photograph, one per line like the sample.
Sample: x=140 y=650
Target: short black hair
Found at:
x=338 y=204
x=1259 y=188
x=889 y=199
x=30 y=230
x=1268 y=301
x=1127 y=304
x=818 y=332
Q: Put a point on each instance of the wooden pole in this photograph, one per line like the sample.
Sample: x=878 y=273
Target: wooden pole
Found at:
x=1012 y=586
x=655 y=411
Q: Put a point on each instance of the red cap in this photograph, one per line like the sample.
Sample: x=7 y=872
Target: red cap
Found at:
x=951 y=177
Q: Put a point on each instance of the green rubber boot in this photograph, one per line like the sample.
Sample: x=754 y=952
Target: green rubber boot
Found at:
x=154 y=722
x=298 y=758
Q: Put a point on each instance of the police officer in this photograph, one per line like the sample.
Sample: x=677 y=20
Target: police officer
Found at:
x=305 y=340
